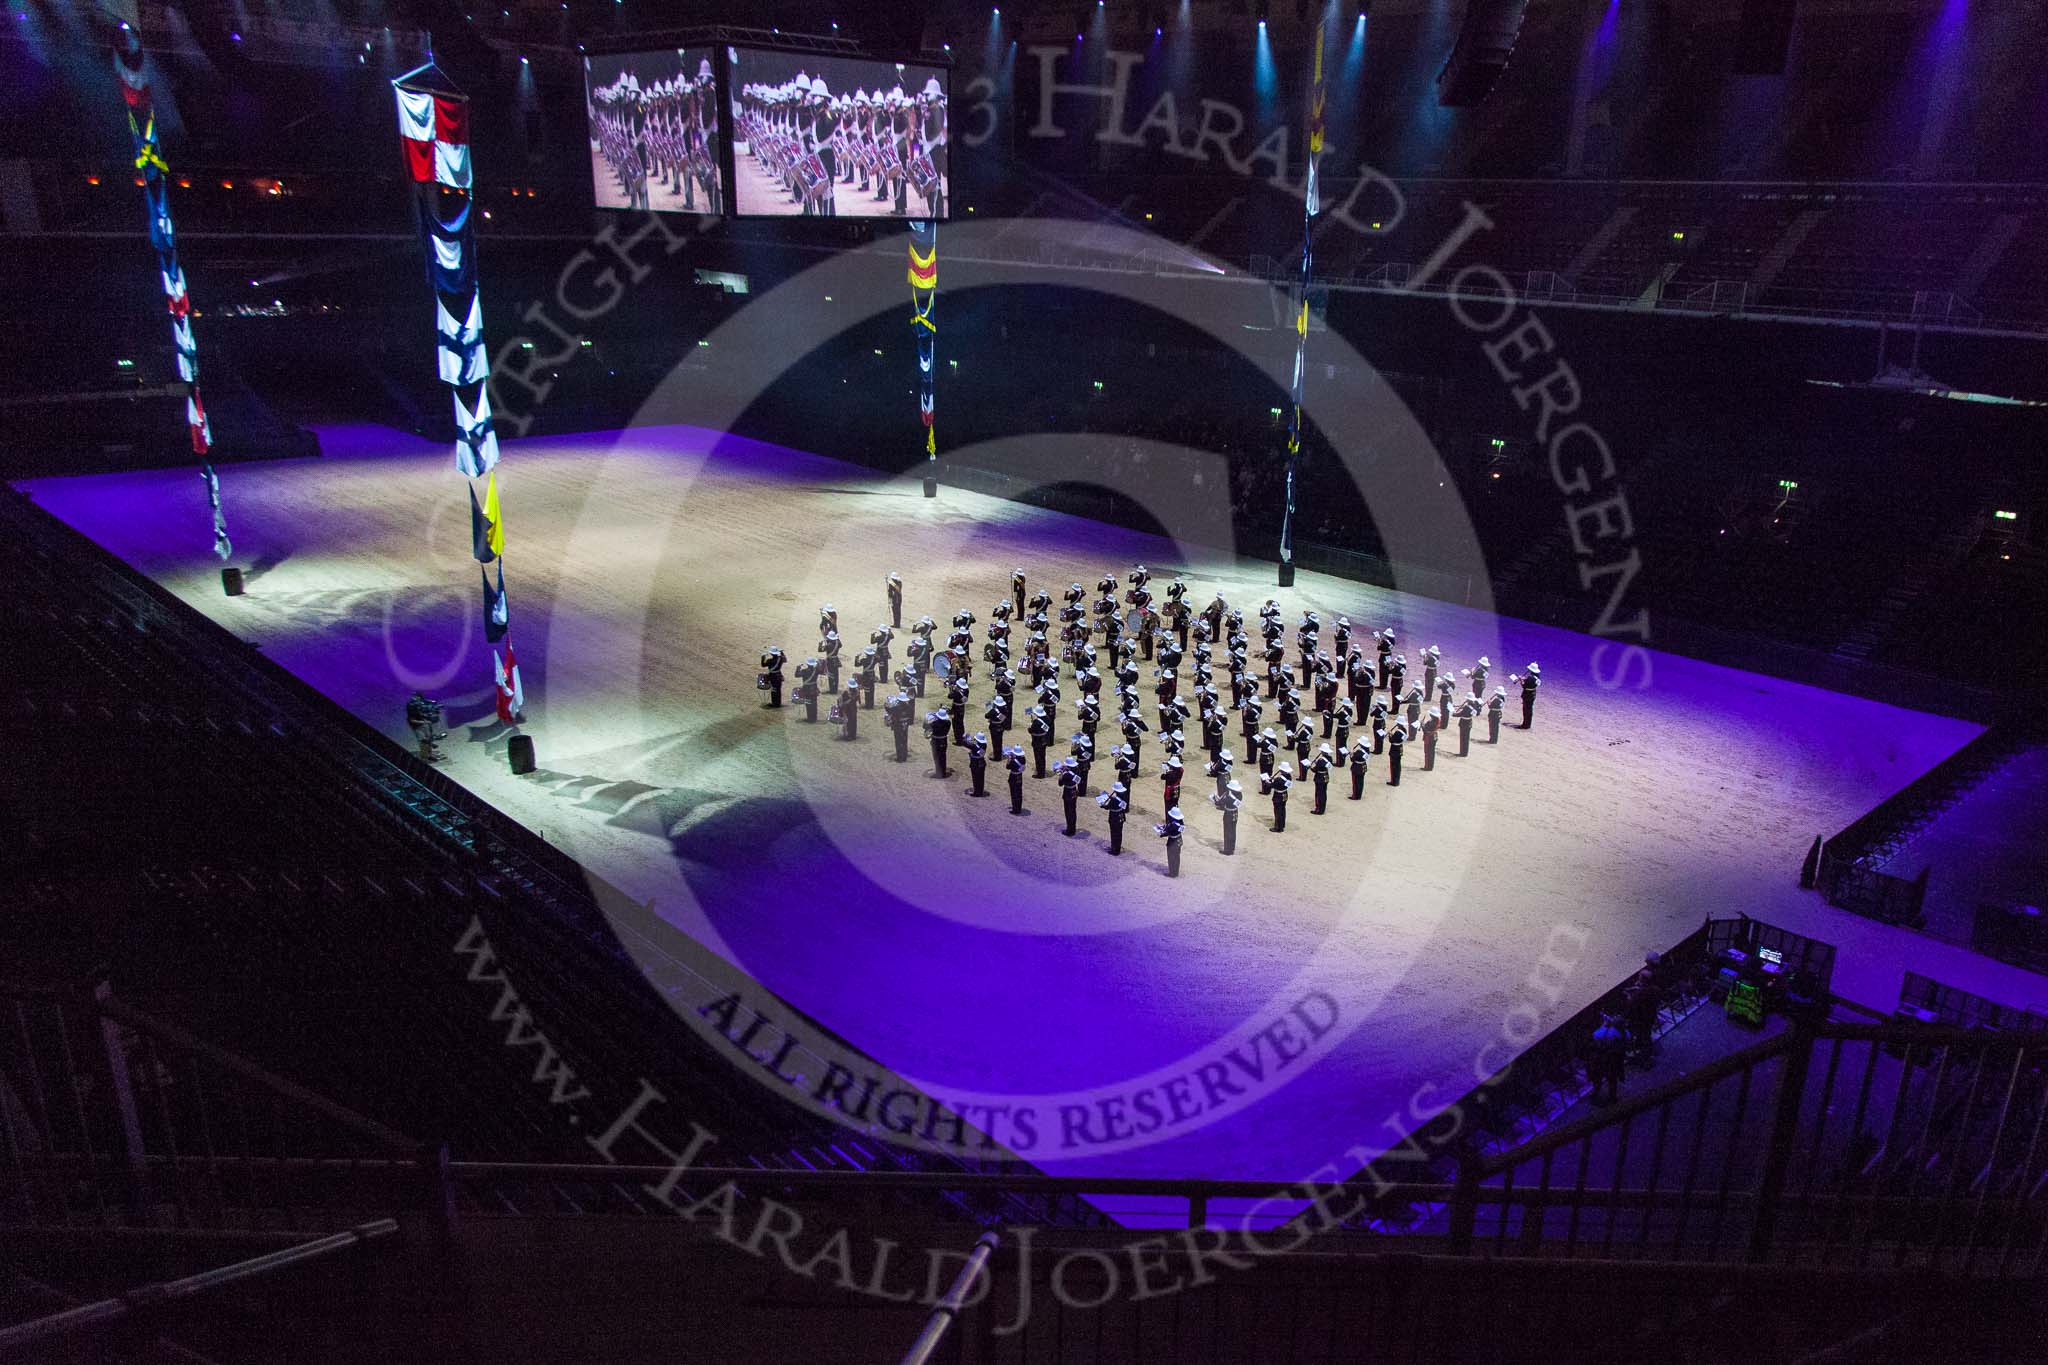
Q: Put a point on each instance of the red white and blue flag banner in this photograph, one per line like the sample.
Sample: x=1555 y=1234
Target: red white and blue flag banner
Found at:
x=154 y=175
x=433 y=129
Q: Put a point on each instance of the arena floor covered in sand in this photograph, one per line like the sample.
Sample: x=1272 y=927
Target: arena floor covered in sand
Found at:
x=1273 y=1009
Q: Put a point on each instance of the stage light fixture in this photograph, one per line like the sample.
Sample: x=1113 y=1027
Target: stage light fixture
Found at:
x=92 y=180
x=2004 y=515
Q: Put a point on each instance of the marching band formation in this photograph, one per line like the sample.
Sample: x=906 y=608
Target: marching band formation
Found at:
x=880 y=145
x=1364 y=699
x=665 y=133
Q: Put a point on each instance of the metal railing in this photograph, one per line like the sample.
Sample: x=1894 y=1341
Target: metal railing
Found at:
x=110 y=1118
x=949 y=1306
x=1829 y=1145
x=44 y=1333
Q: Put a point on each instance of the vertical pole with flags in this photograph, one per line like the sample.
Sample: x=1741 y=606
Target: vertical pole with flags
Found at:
x=154 y=175
x=924 y=293
x=433 y=126
x=1311 y=206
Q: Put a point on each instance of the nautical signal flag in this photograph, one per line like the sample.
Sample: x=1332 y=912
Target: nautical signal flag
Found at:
x=497 y=613
x=511 y=696
x=494 y=516
x=480 y=530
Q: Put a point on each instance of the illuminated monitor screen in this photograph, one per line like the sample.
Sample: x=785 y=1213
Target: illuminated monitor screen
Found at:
x=837 y=136
x=654 y=132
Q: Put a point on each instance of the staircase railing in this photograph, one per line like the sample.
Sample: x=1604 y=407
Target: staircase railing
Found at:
x=1830 y=1144
x=111 y=1118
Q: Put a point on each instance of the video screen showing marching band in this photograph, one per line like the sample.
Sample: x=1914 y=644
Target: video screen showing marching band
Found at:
x=837 y=136
x=654 y=131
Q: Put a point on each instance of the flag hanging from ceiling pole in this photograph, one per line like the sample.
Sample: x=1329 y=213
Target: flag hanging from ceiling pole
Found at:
x=154 y=175
x=433 y=134
x=924 y=293
x=1311 y=206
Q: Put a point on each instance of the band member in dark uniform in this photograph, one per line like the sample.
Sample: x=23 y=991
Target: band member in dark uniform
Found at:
x=770 y=681
x=1082 y=754
x=1307 y=637
x=1397 y=736
x=1125 y=759
x=423 y=717
x=1265 y=744
x=1088 y=713
x=1386 y=644
x=806 y=693
x=1215 y=730
x=1340 y=642
x=1478 y=675
x=1248 y=715
x=865 y=666
x=1413 y=702
x=1429 y=731
x=1304 y=738
x=1290 y=712
x=1360 y=753
x=1229 y=800
x=1017 y=589
x=897 y=713
x=1326 y=696
x=1360 y=680
x=1171 y=831
x=816 y=129
x=846 y=711
x=881 y=637
x=1040 y=730
x=1013 y=763
x=1069 y=778
x=1530 y=680
x=1467 y=712
x=828 y=650
x=919 y=652
x=895 y=586
x=931 y=141
x=1134 y=731
x=1319 y=771
x=997 y=713
x=1343 y=730
x=1170 y=774
x=1445 y=690
x=956 y=703
x=977 y=763
x=1397 y=675
x=1117 y=802
x=1049 y=701
x=1379 y=726
x=1495 y=706
x=938 y=729
x=1276 y=786
x=1430 y=658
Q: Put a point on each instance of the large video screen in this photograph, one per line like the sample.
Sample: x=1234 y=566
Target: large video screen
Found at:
x=817 y=136
x=654 y=130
